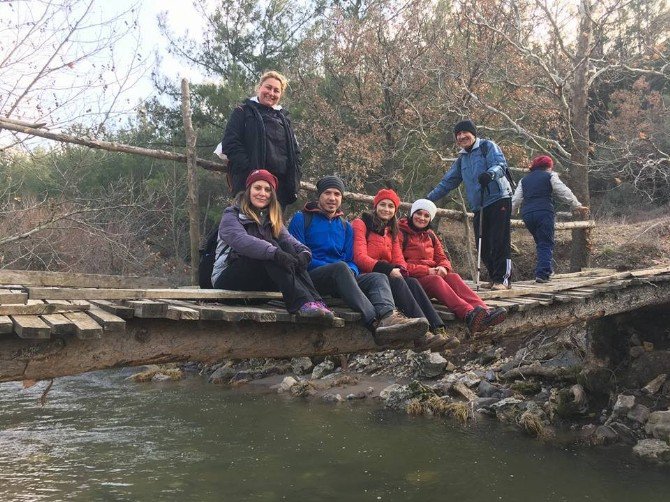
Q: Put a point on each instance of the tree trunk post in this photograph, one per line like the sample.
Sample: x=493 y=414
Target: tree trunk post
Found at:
x=193 y=206
x=581 y=238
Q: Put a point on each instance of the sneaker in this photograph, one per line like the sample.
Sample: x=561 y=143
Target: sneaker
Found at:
x=475 y=320
x=396 y=327
x=329 y=314
x=495 y=316
x=542 y=280
x=450 y=341
x=429 y=341
x=499 y=287
x=311 y=310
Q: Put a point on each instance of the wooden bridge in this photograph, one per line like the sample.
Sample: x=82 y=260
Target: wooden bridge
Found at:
x=54 y=324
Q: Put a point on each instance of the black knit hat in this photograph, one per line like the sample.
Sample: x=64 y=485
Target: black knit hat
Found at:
x=329 y=182
x=467 y=126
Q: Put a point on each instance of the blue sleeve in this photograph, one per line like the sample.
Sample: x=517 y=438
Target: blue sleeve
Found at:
x=349 y=248
x=297 y=226
x=495 y=160
x=451 y=179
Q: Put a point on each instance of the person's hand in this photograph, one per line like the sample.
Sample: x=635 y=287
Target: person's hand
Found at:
x=396 y=273
x=581 y=212
x=285 y=260
x=442 y=271
x=304 y=259
x=485 y=178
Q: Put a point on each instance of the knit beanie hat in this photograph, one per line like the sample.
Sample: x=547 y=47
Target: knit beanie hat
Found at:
x=329 y=182
x=542 y=162
x=386 y=193
x=426 y=205
x=467 y=126
x=262 y=174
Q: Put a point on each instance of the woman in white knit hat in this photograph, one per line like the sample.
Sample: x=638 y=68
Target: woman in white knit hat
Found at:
x=427 y=262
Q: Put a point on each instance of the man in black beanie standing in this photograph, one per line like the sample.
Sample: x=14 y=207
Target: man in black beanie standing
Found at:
x=482 y=168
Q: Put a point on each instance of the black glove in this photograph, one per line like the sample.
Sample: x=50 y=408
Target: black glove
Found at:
x=485 y=178
x=304 y=259
x=285 y=260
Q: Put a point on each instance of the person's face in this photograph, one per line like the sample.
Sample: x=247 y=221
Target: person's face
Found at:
x=330 y=200
x=465 y=139
x=260 y=194
x=269 y=92
x=421 y=218
x=385 y=209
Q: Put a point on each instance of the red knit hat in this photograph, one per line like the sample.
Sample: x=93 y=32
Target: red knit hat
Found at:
x=386 y=193
x=542 y=162
x=262 y=174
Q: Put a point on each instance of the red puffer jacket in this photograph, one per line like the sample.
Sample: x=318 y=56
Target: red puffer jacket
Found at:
x=375 y=252
x=419 y=252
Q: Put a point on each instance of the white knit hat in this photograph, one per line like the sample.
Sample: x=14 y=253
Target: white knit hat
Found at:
x=426 y=205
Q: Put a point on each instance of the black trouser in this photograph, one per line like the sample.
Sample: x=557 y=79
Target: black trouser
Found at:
x=412 y=300
x=496 y=240
x=369 y=294
x=247 y=274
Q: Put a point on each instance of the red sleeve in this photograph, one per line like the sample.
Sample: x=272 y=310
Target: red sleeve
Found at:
x=440 y=257
x=361 y=257
x=396 y=250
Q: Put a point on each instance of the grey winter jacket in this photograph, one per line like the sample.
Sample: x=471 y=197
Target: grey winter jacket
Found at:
x=241 y=236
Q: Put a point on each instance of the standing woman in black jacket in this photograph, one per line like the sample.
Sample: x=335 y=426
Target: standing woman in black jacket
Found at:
x=259 y=135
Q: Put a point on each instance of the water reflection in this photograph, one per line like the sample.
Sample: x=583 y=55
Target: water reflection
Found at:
x=101 y=438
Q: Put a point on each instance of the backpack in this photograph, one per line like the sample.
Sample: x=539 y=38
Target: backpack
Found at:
x=207 y=253
x=484 y=145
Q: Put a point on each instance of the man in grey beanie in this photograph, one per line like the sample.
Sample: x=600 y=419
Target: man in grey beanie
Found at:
x=482 y=168
x=321 y=226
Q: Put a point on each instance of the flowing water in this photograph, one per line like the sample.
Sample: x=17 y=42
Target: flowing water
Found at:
x=99 y=437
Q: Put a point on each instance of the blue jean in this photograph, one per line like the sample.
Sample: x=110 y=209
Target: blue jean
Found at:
x=541 y=226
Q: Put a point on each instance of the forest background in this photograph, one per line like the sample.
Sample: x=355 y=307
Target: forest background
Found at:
x=375 y=88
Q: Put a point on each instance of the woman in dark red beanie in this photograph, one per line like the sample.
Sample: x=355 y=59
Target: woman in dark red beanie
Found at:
x=377 y=249
x=534 y=194
x=255 y=251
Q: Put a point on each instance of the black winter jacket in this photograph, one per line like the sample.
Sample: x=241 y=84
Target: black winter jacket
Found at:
x=244 y=143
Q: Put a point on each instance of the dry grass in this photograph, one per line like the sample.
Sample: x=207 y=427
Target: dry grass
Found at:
x=534 y=425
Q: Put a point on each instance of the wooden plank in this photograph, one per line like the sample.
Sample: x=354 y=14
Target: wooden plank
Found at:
x=583 y=291
x=444 y=312
x=540 y=300
x=38 y=309
x=6 y=325
x=179 y=313
x=31 y=327
x=123 y=311
x=85 y=327
x=70 y=279
x=148 y=309
x=13 y=296
x=60 y=325
x=40 y=293
x=346 y=313
x=108 y=321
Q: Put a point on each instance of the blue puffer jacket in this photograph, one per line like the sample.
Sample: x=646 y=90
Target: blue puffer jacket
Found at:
x=330 y=239
x=467 y=170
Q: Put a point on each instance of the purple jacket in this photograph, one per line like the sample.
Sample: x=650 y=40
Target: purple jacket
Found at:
x=242 y=236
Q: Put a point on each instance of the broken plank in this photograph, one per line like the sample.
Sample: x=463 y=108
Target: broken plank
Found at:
x=148 y=309
x=123 y=311
x=31 y=327
x=6 y=325
x=60 y=325
x=85 y=327
x=179 y=313
x=38 y=293
x=70 y=279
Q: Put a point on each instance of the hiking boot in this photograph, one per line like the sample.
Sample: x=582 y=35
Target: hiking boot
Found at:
x=475 y=320
x=450 y=341
x=499 y=287
x=495 y=316
x=429 y=341
x=396 y=327
x=311 y=310
x=542 y=280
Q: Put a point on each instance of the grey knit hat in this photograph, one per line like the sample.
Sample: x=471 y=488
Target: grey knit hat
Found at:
x=465 y=125
x=329 y=182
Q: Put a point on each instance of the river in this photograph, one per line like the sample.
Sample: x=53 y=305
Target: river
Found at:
x=99 y=437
